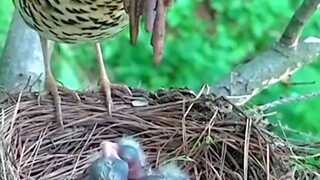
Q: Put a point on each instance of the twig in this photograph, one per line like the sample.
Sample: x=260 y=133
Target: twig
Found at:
x=292 y=33
x=301 y=83
x=287 y=100
x=246 y=148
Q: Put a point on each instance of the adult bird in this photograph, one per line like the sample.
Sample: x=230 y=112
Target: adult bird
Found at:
x=75 y=21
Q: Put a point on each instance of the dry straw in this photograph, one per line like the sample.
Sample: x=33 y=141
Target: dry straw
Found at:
x=208 y=137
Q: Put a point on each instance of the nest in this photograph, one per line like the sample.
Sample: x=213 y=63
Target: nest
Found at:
x=207 y=137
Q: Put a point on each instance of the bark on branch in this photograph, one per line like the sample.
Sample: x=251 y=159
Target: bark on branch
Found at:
x=292 y=32
x=283 y=59
x=22 y=56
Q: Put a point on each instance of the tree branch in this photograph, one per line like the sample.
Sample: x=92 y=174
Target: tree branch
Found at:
x=292 y=32
x=22 y=56
x=287 y=100
x=270 y=67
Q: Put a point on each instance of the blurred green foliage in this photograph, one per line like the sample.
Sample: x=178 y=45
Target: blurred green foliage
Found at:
x=203 y=43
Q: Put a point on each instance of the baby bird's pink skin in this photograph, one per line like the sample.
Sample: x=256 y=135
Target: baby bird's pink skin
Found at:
x=109 y=166
x=130 y=151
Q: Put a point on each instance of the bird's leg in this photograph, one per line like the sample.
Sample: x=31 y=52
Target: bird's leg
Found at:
x=50 y=84
x=105 y=85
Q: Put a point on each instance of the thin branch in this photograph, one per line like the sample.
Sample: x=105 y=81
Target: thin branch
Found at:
x=292 y=32
x=287 y=100
x=274 y=65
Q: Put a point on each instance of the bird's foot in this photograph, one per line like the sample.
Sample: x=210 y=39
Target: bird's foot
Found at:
x=53 y=89
x=106 y=87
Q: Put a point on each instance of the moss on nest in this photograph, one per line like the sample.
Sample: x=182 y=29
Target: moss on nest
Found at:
x=209 y=137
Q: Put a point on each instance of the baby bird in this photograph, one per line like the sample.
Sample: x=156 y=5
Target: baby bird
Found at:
x=166 y=172
x=130 y=151
x=109 y=166
x=123 y=160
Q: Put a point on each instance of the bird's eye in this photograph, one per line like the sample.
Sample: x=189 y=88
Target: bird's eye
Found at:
x=128 y=153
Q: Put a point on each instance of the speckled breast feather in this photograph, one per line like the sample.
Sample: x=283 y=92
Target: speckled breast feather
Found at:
x=72 y=21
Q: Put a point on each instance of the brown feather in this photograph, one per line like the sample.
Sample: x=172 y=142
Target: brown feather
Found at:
x=74 y=21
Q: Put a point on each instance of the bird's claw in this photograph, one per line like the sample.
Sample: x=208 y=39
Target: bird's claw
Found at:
x=107 y=88
x=74 y=95
x=53 y=89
